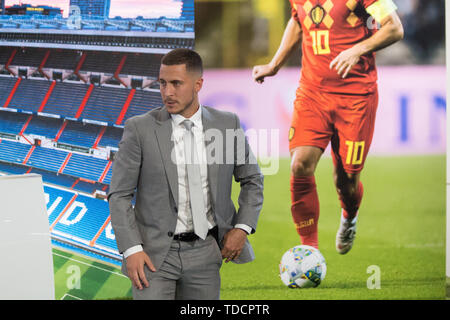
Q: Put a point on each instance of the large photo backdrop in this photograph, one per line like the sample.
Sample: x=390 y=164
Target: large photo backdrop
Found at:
x=71 y=73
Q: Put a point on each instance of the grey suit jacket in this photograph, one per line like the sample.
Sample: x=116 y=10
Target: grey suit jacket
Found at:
x=143 y=167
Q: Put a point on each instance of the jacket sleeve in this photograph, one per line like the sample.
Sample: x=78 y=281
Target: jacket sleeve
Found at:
x=124 y=181
x=248 y=174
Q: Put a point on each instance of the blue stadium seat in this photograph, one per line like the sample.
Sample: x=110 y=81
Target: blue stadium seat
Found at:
x=85 y=167
x=107 y=239
x=142 y=102
x=47 y=159
x=83 y=221
x=30 y=94
x=111 y=137
x=57 y=201
x=108 y=175
x=62 y=59
x=80 y=134
x=54 y=178
x=97 y=61
x=142 y=64
x=44 y=126
x=10 y=168
x=105 y=104
x=14 y=152
x=66 y=98
x=5 y=54
x=11 y=122
x=31 y=57
x=6 y=86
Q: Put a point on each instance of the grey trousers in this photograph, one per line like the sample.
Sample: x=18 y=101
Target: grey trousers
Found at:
x=190 y=271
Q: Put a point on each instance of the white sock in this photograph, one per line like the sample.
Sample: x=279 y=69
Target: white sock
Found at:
x=343 y=219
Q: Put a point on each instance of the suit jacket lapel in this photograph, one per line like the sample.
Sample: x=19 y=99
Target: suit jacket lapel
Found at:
x=166 y=147
x=208 y=122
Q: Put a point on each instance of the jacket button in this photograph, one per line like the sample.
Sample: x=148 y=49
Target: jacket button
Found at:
x=170 y=234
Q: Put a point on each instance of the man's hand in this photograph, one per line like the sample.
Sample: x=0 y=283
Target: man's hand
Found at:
x=233 y=242
x=135 y=268
x=292 y=37
x=390 y=32
x=345 y=61
x=262 y=71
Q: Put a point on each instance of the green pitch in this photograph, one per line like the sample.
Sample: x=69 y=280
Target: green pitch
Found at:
x=80 y=278
x=401 y=233
x=401 y=229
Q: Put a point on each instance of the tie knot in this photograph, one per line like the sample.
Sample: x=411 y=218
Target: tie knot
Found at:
x=188 y=124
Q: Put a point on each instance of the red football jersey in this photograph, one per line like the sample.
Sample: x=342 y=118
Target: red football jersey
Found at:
x=330 y=27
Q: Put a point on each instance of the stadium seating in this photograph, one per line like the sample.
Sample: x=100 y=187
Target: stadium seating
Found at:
x=62 y=59
x=107 y=178
x=31 y=57
x=111 y=137
x=5 y=54
x=139 y=64
x=80 y=219
x=57 y=202
x=13 y=152
x=95 y=212
x=47 y=159
x=80 y=134
x=86 y=167
x=142 y=65
x=30 y=94
x=6 y=85
x=105 y=104
x=53 y=178
x=78 y=116
x=106 y=62
x=10 y=168
x=66 y=99
x=142 y=102
x=11 y=122
x=43 y=126
x=53 y=160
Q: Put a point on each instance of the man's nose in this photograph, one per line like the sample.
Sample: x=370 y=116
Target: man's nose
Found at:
x=169 y=90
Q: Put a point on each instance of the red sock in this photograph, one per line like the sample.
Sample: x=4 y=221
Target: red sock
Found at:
x=350 y=206
x=305 y=208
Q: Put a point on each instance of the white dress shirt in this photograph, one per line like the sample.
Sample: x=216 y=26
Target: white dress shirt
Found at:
x=184 y=220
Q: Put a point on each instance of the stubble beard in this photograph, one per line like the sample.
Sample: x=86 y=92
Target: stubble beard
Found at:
x=187 y=105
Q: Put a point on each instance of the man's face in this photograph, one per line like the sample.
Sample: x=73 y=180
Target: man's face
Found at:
x=179 y=89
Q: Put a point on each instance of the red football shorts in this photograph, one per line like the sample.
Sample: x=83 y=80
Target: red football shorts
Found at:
x=346 y=120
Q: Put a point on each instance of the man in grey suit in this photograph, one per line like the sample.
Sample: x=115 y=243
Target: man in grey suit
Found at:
x=179 y=161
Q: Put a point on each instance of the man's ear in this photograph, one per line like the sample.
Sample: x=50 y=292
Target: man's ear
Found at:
x=198 y=84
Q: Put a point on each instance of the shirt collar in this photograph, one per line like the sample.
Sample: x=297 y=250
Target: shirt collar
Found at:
x=196 y=118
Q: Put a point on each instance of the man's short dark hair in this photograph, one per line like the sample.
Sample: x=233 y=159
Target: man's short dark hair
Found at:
x=190 y=58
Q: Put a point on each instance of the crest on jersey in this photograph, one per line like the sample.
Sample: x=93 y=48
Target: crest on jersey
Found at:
x=317 y=14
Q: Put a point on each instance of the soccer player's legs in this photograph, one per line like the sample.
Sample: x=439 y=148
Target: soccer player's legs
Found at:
x=354 y=126
x=355 y=121
x=309 y=135
x=349 y=188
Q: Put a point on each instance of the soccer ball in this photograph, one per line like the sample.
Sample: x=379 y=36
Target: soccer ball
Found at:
x=302 y=267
